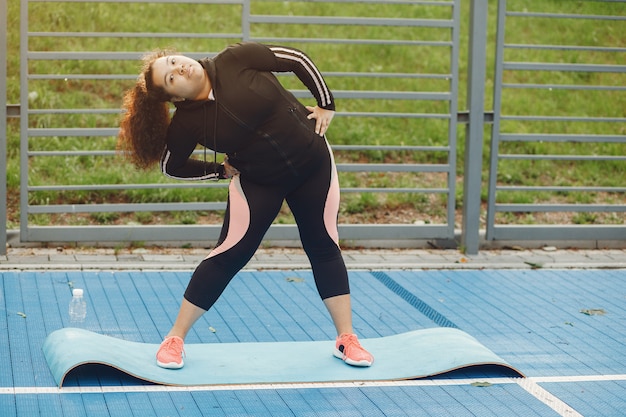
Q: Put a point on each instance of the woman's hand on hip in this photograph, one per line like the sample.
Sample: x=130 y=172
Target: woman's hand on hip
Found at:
x=229 y=170
x=322 y=118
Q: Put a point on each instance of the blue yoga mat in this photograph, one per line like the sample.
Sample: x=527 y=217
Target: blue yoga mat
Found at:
x=416 y=354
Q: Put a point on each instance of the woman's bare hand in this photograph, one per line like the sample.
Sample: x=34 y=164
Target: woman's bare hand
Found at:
x=229 y=170
x=322 y=117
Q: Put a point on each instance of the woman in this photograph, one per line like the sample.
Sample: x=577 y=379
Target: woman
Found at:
x=276 y=151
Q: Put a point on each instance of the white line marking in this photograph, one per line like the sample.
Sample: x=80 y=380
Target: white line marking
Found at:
x=580 y=378
x=531 y=382
x=547 y=398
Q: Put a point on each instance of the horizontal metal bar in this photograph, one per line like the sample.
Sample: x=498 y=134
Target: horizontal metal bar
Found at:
x=393 y=167
x=224 y=184
x=396 y=190
x=144 y=1
x=193 y=206
x=442 y=116
x=98 y=152
x=405 y=2
x=566 y=87
x=361 y=21
x=544 y=66
x=391 y=95
x=390 y=148
x=524 y=208
x=109 y=187
x=198 y=185
x=566 y=119
x=169 y=35
x=101 y=152
x=215 y=184
x=36 y=112
x=541 y=137
x=342 y=41
x=446 y=77
x=395 y=231
x=384 y=95
x=41 y=132
x=13 y=110
x=564 y=47
x=551 y=188
x=461 y=117
x=105 y=55
x=72 y=153
x=565 y=16
x=546 y=232
x=191 y=233
x=131 y=35
x=352 y=74
x=336 y=148
x=67 y=77
x=119 y=208
x=535 y=157
x=64 y=55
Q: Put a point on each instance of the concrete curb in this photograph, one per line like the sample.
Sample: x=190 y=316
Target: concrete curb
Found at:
x=295 y=259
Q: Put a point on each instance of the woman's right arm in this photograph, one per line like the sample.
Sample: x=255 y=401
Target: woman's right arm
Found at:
x=177 y=161
x=173 y=166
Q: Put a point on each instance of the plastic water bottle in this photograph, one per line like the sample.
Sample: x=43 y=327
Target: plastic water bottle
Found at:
x=78 y=307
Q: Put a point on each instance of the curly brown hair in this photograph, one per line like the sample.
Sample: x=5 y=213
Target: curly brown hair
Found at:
x=146 y=116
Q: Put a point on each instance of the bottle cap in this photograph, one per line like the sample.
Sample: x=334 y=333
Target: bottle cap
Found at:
x=77 y=292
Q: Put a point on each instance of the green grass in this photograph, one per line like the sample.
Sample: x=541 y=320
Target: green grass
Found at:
x=189 y=18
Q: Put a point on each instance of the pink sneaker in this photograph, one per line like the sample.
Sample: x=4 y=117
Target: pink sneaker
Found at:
x=351 y=352
x=170 y=354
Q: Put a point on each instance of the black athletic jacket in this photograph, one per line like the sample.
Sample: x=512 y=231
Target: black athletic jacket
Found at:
x=260 y=125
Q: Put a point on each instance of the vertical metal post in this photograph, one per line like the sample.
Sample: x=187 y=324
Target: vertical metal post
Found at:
x=24 y=120
x=495 y=127
x=3 y=126
x=476 y=74
x=453 y=107
x=245 y=20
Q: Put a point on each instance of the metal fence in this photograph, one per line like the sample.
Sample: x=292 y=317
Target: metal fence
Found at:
x=533 y=131
x=78 y=128
x=69 y=110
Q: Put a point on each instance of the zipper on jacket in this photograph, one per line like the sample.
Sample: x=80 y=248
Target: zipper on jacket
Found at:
x=294 y=113
x=267 y=137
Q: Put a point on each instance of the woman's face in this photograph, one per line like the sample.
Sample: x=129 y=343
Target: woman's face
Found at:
x=181 y=77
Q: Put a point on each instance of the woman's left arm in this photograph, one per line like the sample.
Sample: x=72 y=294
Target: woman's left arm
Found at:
x=286 y=59
x=296 y=61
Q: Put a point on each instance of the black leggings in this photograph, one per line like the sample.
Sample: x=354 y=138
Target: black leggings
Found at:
x=314 y=201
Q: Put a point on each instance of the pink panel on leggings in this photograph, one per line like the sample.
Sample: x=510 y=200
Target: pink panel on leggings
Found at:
x=332 y=202
x=239 y=217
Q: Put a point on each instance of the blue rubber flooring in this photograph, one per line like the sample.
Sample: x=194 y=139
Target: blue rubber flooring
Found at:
x=564 y=329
